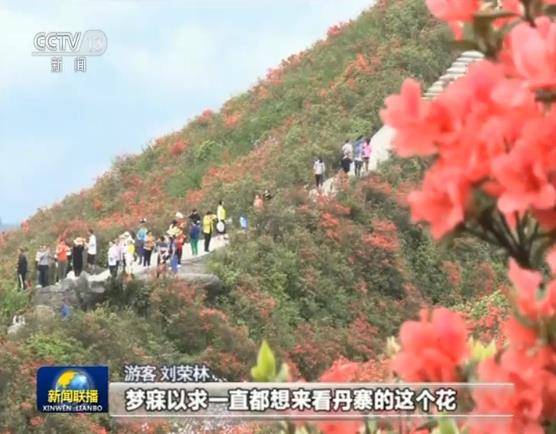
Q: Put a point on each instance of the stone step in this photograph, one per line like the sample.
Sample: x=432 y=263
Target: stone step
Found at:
x=456 y=70
x=473 y=53
x=436 y=88
x=450 y=77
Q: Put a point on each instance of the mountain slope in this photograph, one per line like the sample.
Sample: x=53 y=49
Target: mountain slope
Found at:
x=266 y=136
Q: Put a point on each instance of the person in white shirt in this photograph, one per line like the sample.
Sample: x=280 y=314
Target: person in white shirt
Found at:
x=347 y=156
x=347 y=150
x=318 y=170
x=92 y=249
x=113 y=258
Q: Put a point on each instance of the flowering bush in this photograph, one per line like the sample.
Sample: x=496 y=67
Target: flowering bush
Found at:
x=178 y=148
x=492 y=174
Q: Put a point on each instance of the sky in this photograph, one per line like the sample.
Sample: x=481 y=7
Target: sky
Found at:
x=166 y=61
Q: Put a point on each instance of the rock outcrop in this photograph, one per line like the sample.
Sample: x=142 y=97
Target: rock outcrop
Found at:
x=87 y=291
x=82 y=292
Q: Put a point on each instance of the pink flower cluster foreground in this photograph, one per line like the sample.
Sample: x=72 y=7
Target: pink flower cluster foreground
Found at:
x=490 y=138
x=432 y=349
x=487 y=132
x=436 y=349
x=455 y=12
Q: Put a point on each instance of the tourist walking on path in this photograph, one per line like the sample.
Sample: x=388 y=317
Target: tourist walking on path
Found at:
x=367 y=153
x=77 y=256
x=141 y=237
x=22 y=269
x=178 y=245
x=37 y=258
x=347 y=156
x=121 y=250
x=318 y=170
x=358 y=156
x=208 y=228
x=113 y=258
x=44 y=261
x=92 y=250
x=129 y=256
x=195 y=217
x=70 y=257
x=174 y=229
x=221 y=216
x=194 y=235
x=221 y=211
x=174 y=262
x=162 y=247
x=62 y=259
x=148 y=249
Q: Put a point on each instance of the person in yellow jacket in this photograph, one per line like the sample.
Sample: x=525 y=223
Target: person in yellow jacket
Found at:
x=221 y=211
x=174 y=229
x=129 y=256
x=208 y=228
x=221 y=216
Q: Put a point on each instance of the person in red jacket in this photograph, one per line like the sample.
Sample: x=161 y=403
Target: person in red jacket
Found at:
x=180 y=240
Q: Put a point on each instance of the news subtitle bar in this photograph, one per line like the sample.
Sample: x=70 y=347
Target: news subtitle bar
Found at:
x=298 y=401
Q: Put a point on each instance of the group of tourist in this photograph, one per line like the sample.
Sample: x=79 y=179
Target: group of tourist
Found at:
x=356 y=155
x=138 y=248
x=53 y=266
x=129 y=249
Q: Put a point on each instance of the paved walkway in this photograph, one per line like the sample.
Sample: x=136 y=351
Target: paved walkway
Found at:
x=381 y=143
x=216 y=243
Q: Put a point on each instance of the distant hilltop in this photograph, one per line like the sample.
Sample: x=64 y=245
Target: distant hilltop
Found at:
x=7 y=226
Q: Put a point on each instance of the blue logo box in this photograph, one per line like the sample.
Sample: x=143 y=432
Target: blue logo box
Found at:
x=72 y=389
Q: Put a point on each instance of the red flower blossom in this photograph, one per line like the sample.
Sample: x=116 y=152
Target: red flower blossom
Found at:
x=527 y=298
x=533 y=52
x=432 y=348
x=524 y=402
x=442 y=201
x=455 y=12
x=341 y=371
x=408 y=113
x=178 y=148
x=205 y=117
x=231 y=120
x=335 y=30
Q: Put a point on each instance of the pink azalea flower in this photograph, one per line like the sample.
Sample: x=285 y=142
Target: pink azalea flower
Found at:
x=442 y=201
x=528 y=300
x=533 y=52
x=407 y=114
x=525 y=183
x=454 y=12
x=432 y=348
